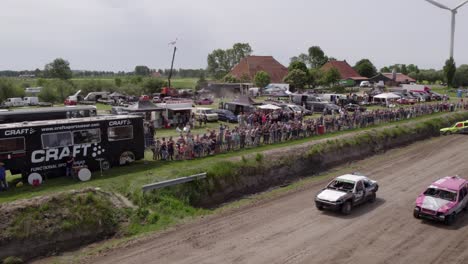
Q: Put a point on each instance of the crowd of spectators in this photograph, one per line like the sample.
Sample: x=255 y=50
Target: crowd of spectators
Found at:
x=262 y=127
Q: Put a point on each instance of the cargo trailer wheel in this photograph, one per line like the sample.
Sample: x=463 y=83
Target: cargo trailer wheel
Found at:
x=105 y=165
x=126 y=157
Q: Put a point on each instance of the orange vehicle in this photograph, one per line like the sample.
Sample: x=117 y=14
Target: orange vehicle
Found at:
x=166 y=91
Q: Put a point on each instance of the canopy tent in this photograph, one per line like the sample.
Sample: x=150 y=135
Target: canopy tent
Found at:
x=143 y=106
x=241 y=104
x=243 y=100
x=116 y=94
x=269 y=107
x=387 y=96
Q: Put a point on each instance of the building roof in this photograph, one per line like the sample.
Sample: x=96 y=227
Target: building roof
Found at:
x=250 y=65
x=345 y=70
x=400 y=77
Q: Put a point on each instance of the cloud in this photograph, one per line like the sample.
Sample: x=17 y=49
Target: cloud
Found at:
x=119 y=34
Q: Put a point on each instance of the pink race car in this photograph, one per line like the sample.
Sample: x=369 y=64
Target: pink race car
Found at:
x=443 y=200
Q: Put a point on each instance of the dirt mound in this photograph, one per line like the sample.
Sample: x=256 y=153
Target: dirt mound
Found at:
x=47 y=224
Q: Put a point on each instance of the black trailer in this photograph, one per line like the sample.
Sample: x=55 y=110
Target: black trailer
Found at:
x=49 y=113
x=42 y=147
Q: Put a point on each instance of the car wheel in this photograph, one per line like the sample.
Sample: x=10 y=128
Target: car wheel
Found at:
x=416 y=214
x=448 y=133
x=450 y=219
x=372 y=197
x=319 y=207
x=346 y=208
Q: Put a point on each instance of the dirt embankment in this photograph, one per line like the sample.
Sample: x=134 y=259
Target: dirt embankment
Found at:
x=47 y=224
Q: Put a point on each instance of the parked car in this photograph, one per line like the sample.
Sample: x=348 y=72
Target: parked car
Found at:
x=225 y=115
x=354 y=107
x=406 y=101
x=345 y=192
x=31 y=100
x=314 y=103
x=443 y=200
x=305 y=111
x=204 y=101
x=15 y=101
x=421 y=96
x=157 y=100
x=201 y=112
x=365 y=84
x=459 y=127
x=436 y=96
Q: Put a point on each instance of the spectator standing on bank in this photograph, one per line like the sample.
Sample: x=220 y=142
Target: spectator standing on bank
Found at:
x=3 y=181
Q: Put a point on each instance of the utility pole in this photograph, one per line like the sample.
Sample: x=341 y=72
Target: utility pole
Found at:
x=172 y=65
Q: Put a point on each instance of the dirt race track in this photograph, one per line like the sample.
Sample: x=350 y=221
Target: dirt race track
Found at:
x=289 y=229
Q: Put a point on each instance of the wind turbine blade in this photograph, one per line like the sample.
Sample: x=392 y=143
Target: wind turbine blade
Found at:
x=439 y=4
x=461 y=4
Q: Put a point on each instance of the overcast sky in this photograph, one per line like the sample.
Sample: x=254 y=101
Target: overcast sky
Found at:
x=119 y=34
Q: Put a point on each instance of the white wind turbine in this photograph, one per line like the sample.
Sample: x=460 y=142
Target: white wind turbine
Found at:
x=454 y=12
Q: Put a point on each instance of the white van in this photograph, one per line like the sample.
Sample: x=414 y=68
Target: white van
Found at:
x=334 y=98
x=31 y=100
x=365 y=84
x=15 y=101
x=201 y=112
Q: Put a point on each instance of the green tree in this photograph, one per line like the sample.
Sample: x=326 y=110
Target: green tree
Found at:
x=412 y=68
x=48 y=94
x=461 y=76
x=230 y=79
x=449 y=70
x=245 y=78
x=59 y=69
x=298 y=65
x=331 y=77
x=201 y=83
x=9 y=89
x=262 y=79
x=304 y=58
x=365 y=68
x=297 y=79
x=238 y=52
x=61 y=88
x=220 y=62
x=315 y=76
x=385 y=69
x=404 y=69
x=142 y=70
x=153 y=85
x=317 y=57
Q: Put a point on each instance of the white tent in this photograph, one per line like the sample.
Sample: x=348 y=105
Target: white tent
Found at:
x=387 y=96
x=269 y=107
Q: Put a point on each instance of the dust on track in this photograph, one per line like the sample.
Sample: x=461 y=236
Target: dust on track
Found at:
x=289 y=229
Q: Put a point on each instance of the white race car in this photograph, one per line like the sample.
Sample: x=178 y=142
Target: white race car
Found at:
x=346 y=191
